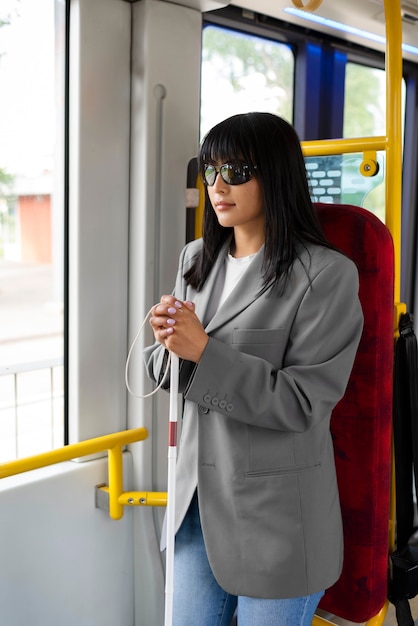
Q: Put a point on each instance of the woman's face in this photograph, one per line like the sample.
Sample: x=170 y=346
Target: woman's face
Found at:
x=238 y=206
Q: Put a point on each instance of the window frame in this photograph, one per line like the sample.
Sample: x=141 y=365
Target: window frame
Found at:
x=311 y=124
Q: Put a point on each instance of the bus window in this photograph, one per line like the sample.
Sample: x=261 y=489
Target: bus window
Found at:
x=365 y=101
x=31 y=226
x=364 y=116
x=337 y=179
x=242 y=73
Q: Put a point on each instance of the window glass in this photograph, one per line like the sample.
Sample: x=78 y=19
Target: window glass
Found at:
x=364 y=116
x=337 y=179
x=365 y=101
x=242 y=73
x=32 y=49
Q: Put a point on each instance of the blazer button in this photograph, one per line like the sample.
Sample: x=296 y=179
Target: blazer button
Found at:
x=207 y=398
x=215 y=401
x=222 y=404
x=230 y=407
x=203 y=409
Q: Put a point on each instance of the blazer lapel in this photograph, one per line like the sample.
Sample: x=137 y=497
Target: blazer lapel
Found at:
x=242 y=295
x=202 y=298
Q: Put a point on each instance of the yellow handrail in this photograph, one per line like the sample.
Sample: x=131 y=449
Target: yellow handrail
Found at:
x=140 y=498
x=342 y=146
x=113 y=443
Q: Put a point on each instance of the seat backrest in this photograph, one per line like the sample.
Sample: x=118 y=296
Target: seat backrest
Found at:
x=361 y=423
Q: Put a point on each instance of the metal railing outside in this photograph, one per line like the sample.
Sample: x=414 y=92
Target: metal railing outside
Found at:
x=31 y=408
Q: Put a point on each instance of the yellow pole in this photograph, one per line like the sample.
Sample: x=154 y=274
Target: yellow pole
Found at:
x=115 y=481
x=394 y=131
x=393 y=179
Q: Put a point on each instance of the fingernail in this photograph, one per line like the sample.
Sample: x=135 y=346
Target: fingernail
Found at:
x=172 y=310
x=189 y=303
x=178 y=304
x=171 y=322
x=170 y=331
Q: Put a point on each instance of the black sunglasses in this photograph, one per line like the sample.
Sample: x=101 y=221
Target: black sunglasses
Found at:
x=233 y=174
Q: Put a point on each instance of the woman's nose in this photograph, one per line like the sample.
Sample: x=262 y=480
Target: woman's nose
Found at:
x=219 y=184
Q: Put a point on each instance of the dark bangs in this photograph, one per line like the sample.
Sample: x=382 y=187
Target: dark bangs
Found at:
x=227 y=142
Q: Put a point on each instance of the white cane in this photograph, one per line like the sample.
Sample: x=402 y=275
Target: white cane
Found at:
x=173 y=363
x=171 y=489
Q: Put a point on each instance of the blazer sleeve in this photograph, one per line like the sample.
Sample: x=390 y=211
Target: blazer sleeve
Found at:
x=319 y=356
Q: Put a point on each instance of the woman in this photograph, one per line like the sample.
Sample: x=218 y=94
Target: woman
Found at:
x=266 y=320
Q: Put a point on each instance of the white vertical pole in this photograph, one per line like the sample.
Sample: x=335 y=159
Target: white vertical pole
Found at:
x=171 y=488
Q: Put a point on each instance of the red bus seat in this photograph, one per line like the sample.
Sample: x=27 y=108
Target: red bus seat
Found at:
x=361 y=423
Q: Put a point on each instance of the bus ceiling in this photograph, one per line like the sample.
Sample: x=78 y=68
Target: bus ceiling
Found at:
x=359 y=21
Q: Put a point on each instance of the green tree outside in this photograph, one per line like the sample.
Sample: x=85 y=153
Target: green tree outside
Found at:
x=242 y=73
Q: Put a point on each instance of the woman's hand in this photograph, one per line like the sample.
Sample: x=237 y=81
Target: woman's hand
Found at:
x=178 y=329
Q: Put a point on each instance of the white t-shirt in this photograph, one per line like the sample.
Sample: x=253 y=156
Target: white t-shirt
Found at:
x=231 y=272
x=234 y=270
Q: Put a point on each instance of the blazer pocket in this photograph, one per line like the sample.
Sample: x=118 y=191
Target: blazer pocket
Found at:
x=268 y=344
x=282 y=471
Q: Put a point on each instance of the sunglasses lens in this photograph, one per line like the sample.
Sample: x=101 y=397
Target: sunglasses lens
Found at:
x=227 y=172
x=230 y=173
x=210 y=174
x=235 y=174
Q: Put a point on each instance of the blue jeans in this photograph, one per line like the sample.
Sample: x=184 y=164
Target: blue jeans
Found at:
x=200 y=601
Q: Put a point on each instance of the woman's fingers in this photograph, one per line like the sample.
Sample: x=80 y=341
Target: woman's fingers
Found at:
x=164 y=315
x=176 y=326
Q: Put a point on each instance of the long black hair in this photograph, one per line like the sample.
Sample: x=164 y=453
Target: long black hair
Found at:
x=269 y=143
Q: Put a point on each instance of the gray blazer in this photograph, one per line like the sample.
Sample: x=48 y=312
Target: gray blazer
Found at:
x=255 y=438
